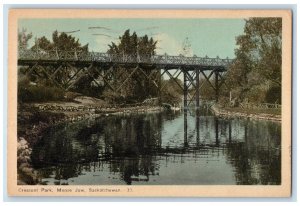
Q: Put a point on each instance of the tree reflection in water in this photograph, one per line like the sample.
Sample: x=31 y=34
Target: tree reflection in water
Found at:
x=151 y=149
x=257 y=160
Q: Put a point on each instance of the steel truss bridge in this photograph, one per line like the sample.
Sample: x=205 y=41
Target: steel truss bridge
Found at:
x=51 y=65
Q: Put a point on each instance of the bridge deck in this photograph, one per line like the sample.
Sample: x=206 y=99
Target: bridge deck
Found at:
x=30 y=57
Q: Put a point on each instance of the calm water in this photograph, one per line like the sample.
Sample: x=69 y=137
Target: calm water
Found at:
x=154 y=149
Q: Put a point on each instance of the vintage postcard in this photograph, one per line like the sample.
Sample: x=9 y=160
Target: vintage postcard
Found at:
x=149 y=103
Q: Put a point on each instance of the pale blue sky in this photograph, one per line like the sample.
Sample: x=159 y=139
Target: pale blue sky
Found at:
x=212 y=37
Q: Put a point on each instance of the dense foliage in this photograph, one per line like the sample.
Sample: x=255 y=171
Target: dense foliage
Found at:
x=133 y=45
x=137 y=86
x=23 y=38
x=171 y=92
x=31 y=93
x=255 y=75
x=46 y=89
x=60 y=41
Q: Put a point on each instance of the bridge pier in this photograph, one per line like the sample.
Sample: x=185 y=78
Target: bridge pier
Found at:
x=197 y=107
x=197 y=90
x=159 y=88
x=185 y=106
x=185 y=90
x=217 y=85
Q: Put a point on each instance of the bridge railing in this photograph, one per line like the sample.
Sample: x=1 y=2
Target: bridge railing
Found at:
x=105 y=57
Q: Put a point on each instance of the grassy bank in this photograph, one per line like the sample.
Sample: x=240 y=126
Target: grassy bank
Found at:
x=272 y=114
x=256 y=111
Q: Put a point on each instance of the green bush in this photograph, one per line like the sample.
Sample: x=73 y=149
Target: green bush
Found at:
x=273 y=95
x=34 y=93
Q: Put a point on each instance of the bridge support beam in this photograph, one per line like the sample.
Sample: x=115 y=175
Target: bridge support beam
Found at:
x=185 y=89
x=197 y=91
x=185 y=106
x=217 y=85
x=159 y=88
x=197 y=108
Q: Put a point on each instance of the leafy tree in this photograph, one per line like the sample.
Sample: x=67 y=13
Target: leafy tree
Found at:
x=61 y=42
x=133 y=45
x=23 y=38
x=138 y=87
x=171 y=93
x=43 y=44
x=257 y=69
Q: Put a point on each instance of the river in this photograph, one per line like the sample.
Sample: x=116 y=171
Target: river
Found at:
x=150 y=149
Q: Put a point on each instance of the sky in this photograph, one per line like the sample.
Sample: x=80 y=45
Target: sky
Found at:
x=211 y=37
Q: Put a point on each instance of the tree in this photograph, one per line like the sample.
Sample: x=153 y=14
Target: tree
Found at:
x=133 y=45
x=23 y=38
x=60 y=42
x=171 y=93
x=43 y=44
x=257 y=69
x=137 y=87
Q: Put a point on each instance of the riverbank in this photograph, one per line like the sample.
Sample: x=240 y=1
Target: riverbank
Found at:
x=270 y=114
x=34 y=118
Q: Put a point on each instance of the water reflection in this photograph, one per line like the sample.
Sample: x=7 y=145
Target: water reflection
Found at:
x=156 y=149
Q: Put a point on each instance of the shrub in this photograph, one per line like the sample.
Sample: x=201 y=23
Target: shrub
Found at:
x=34 y=93
x=274 y=95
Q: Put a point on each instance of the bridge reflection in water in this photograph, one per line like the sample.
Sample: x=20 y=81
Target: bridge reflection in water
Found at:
x=150 y=149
